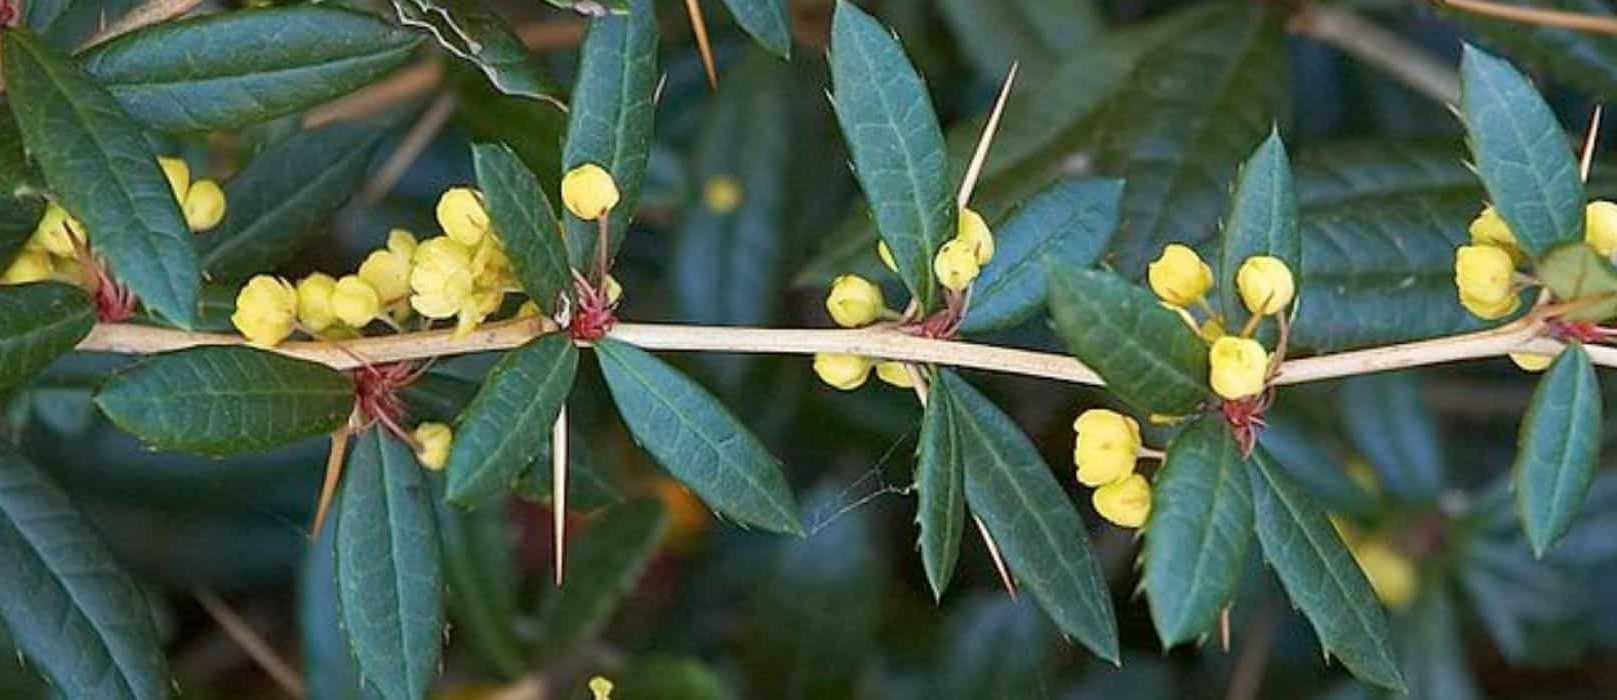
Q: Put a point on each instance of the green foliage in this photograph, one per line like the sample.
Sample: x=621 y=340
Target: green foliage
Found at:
x=38 y=323
x=470 y=31
x=768 y=21
x=99 y=166
x=526 y=222
x=940 y=471
x=1576 y=271
x=225 y=401
x=1262 y=221
x=602 y=566
x=1560 y=444
x=510 y=419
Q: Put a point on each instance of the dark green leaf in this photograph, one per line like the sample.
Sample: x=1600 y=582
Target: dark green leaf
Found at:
x=532 y=128
x=1069 y=222
x=1576 y=272
x=1039 y=532
x=1320 y=576
x=389 y=567
x=814 y=614
x=328 y=664
x=1035 y=33
x=1586 y=60
x=482 y=581
x=1431 y=650
x=1200 y=531
x=1262 y=221
x=997 y=648
x=38 y=323
x=98 y=163
x=232 y=69
x=610 y=117
x=1520 y=153
x=698 y=440
x=65 y=24
x=1192 y=109
x=728 y=264
x=1392 y=428
x=1559 y=448
x=278 y=201
x=589 y=486
x=1305 y=455
x=510 y=421
x=19 y=209
x=897 y=146
x=224 y=401
x=768 y=21
x=1146 y=353
x=72 y=611
x=471 y=31
x=940 y=489
x=603 y=565
x=526 y=222
x=1381 y=220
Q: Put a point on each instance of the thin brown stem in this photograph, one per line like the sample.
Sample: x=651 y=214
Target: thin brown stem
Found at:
x=703 y=45
x=146 y=14
x=1381 y=49
x=410 y=148
x=1597 y=24
x=251 y=642
x=328 y=486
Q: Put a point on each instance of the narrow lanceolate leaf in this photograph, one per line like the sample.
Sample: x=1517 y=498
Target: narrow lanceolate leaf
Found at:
x=1187 y=115
x=729 y=259
x=389 y=567
x=1038 y=530
x=278 y=201
x=99 y=165
x=1200 y=531
x=1520 y=153
x=1262 y=221
x=38 y=323
x=767 y=21
x=1146 y=353
x=471 y=31
x=698 y=440
x=233 y=69
x=20 y=207
x=223 y=401
x=1320 y=575
x=1069 y=222
x=526 y=223
x=1560 y=441
x=940 y=487
x=1582 y=59
x=610 y=117
x=897 y=146
x=603 y=565
x=509 y=422
x=72 y=611
x=328 y=664
x=482 y=581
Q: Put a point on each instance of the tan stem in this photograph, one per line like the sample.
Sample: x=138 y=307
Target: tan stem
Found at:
x=558 y=489
x=257 y=648
x=1381 y=49
x=144 y=15
x=1598 y=24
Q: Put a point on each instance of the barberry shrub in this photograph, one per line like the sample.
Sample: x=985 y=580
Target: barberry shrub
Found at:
x=344 y=299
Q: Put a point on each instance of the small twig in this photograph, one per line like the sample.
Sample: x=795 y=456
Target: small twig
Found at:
x=1598 y=24
x=703 y=46
x=975 y=169
x=558 y=489
x=334 y=464
x=999 y=561
x=249 y=640
x=147 y=14
x=1368 y=42
x=420 y=136
x=1589 y=139
x=1256 y=644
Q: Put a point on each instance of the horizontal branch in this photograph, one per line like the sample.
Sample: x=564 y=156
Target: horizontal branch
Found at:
x=882 y=342
x=1380 y=48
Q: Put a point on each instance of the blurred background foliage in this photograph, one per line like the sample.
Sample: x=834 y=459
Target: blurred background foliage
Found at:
x=672 y=603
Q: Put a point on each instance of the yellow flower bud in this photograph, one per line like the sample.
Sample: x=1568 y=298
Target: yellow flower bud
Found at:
x=355 y=301
x=433 y=440
x=441 y=278
x=388 y=272
x=1107 y=447
x=1266 y=285
x=1531 y=361
x=972 y=229
x=462 y=216
x=895 y=374
x=886 y=255
x=56 y=232
x=491 y=269
x=204 y=205
x=1484 y=275
x=1391 y=574
x=721 y=194
x=956 y=265
x=1126 y=502
x=29 y=266
x=1211 y=330
x=314 y=302
x=1239 y=366
x=600 y=688
x=589 y=191
x=845 y=372
x=1600 y=227
x=1179 y=276
x=614 y=291
x=854 y=301
x=178 y=173
x=1490 y=229
x=266 y=309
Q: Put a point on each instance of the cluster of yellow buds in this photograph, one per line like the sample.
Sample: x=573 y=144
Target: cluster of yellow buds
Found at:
x=961 y=259
x=432 y=444
x=1106 y=452
x=52 y=251
x=1238 y=364
x=848 y=372
x=463 y=274
x=854 y=302
x=1391 y=572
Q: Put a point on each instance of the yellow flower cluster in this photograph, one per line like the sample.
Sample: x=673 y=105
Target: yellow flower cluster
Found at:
x=202 y=201
x=960 y=260
x=848 y=372
x=1239 y=365
x=1106 y=451
x=463 y=274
